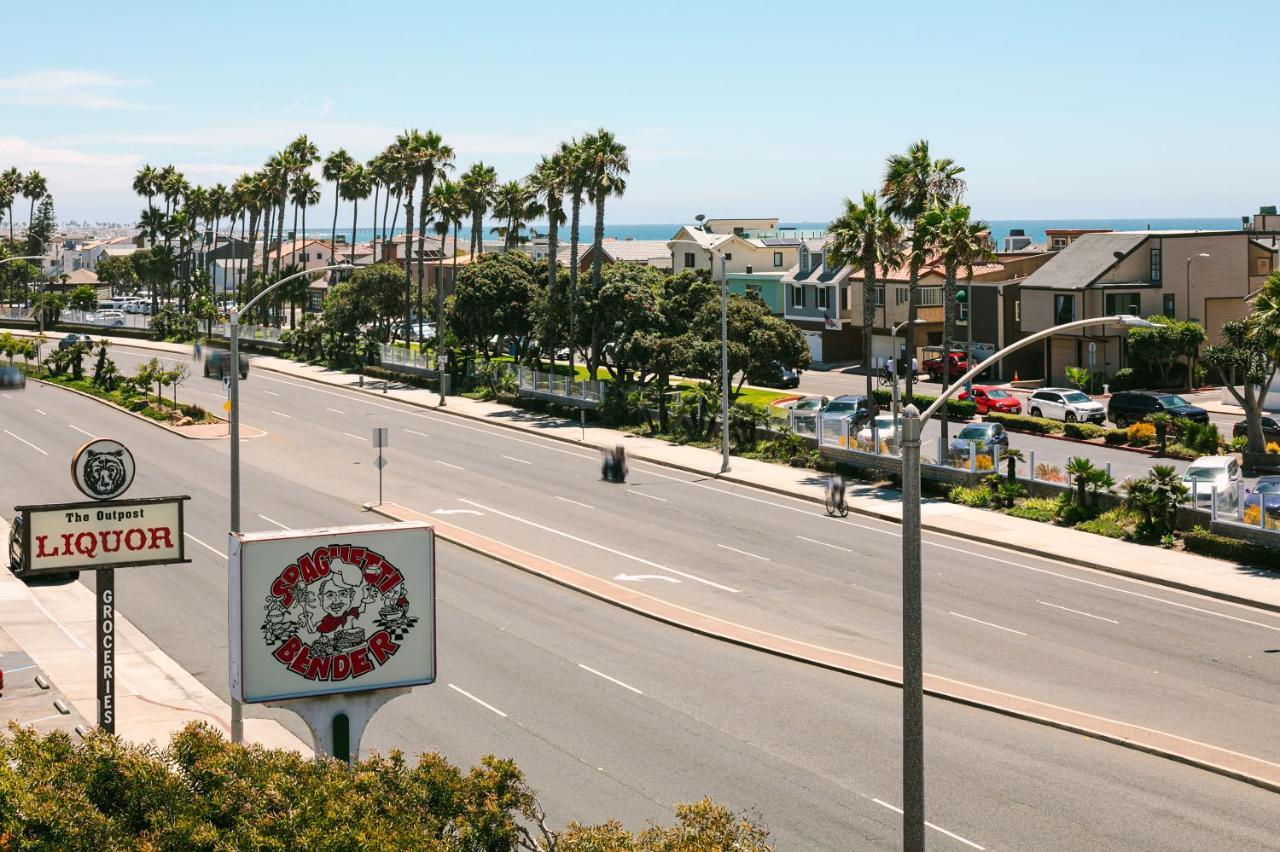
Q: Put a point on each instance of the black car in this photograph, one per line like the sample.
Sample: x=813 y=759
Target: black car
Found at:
x=72 y=340
x=1134 y=406
x=12 y=378
x=775 y=376
x=218 y=363
x=1270 y=429
x=15 y=547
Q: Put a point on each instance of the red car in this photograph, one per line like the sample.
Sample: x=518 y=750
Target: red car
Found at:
x=998 y=400
x=933 y=366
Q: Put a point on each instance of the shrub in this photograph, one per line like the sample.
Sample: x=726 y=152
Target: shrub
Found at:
x=1049 y=473
x=1116 y=523
x=1237 y=445
x=957 y=409
x=976 y=496
x=1084 y=431
x=1042 y=509
x=1272 y=446
x=1115 y=437
x=1126 y=378
x=1141 y=434
x=1201 y=437
x=1200 y=540
x=1155 y=497
x=1024 y=423
x=1177 y=450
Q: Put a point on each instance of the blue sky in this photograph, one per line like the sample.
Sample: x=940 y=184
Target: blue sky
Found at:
x=1076 y=109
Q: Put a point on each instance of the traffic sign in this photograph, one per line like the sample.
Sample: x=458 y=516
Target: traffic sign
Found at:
x=380 y=436
x=226 y=406
x=380 y=462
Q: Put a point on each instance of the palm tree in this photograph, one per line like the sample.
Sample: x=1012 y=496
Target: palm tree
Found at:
x=515 y=203
x=606 y=163
x=35 y=188
x=478 y=186
x=147 y=183
x=864 y=235
x=449 y=208
x=301 y=154
x=153 y=222
x=240 y=204
x=219 y=204
x=914 y=182
x=435 y=157
x=335 y=166
x=548 y=183
x=304 y=192
x=355 y=188
x=10 y=188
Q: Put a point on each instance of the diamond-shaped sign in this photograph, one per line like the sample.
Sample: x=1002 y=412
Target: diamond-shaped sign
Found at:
x=380 y=462
x=226 y=406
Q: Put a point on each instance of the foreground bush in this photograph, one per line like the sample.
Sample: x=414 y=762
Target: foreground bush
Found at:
x=205 y=793
x=1025 y=423
x=1200 y=540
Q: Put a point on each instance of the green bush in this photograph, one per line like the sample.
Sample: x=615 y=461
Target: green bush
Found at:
x=1116 y=437
x=1025 y=423
x=1177 y=450
x=1115 y=523
x=1084 y=431
x=1203 y=438
x=957 y=409
x=1200 y=540
x=202 y=792
x=1126 y=378
x=974 y=496
x=1043 y=509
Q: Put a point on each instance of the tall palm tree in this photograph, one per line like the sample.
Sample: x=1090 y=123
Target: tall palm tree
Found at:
x=547 y=182
x=865 y=235
x=478 y=186
x=449 y=208
x=301 y=154
x=435 y=157
x=514 y=203
x=335 y=166
x=304 y=192
x=384 y=169
x=914 y=182
x=575 y=182
x=10 y=188
x=35 y=188
x=355 y=188
x=219 y=205
x=606 y=163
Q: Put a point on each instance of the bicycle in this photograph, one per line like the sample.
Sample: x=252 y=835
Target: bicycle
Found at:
x=835 y=502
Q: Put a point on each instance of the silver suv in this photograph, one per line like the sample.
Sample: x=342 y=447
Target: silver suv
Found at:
x=1065 y=404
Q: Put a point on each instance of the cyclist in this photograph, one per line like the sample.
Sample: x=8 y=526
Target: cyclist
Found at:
x=835 y=502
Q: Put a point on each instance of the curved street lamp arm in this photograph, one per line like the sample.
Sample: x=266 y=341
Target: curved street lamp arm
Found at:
x=235 y=314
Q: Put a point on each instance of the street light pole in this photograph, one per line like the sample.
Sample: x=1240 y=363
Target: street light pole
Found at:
x=1191 y=361
x=233 y=391
x=724 y=359
x=912 y=615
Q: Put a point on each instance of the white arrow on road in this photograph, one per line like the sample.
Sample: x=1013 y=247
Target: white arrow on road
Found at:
x=635 y=578
x=456 y=512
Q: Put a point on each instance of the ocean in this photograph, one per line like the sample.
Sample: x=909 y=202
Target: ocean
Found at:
x=1000 y=228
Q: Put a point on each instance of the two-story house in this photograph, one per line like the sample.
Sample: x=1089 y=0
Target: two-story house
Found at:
x=817 y=300
x=1202 y=275
x=749 y=264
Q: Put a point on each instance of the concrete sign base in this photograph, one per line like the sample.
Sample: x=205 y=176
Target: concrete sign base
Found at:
x=337 y=722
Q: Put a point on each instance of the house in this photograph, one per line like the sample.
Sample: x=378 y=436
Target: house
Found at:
x=1202 y=275
x=1059 y=238
x=653 y=253
x=742 y=260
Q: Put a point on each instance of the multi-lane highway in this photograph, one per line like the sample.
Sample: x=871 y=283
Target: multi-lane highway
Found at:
x=614 y=715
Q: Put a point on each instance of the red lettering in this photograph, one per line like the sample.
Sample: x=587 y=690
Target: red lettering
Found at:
x=344 y=553
x=308 y=569
x=286 y=652
x=359 y=556
x=290 y=574
x=129 y=540
x=321 y=557
x=360 y=664
x=318 y=668
x=66 y=543
x=283 y=591
x=161 y=533
x=389 y=579
x=107 y=545
x=41 y=553
x=299 y=663
x=341 y=667
x=382 y=646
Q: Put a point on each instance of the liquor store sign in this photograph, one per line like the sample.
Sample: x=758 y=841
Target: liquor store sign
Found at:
x=66 y=537
x=321 y=612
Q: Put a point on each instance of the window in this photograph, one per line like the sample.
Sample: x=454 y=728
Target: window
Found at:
x=879 y=295
x=1167 y=308
x=929 y=296
x=901 y=295
x=1017 y=311
x=797 y=296
x=1261 y=266
x=689 y=261
x=1124 y=303
x=728 y=257
x=749 y=269
x=753 y=289
x=777 y=258
x=804 y=260
x=844 y=298
x=962 y=315
x=822 y=297
x=1155 y=265
x=1064 y=309
x=1059 y=243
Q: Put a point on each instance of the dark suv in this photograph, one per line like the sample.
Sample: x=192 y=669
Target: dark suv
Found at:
x=849 y=404
x=1134 y=406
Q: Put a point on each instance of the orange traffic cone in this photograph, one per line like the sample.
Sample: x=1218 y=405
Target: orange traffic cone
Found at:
x=1015 y=377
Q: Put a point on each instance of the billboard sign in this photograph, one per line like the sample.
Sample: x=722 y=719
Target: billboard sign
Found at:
x=327 y=611
x=63 y=537
x=102 y=469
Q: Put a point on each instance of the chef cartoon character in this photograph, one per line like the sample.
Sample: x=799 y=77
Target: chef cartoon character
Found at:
x=337 y=598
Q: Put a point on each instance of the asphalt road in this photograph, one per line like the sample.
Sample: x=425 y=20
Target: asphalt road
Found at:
x=611 y=714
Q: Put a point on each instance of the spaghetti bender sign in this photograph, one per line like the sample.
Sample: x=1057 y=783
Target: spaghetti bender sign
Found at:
x=331 y=611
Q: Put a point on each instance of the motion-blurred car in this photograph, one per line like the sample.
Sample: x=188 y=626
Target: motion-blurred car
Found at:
x=218 y=363
x=72 y=340
x=1270 y=429
x=998 y=400
x=982 y=436
x=11 y=378
x=1210 y=475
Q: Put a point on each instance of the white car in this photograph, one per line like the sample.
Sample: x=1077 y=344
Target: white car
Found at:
x=1066 y=404
x=887 y=431
x=1210 y=475
x=114 y=319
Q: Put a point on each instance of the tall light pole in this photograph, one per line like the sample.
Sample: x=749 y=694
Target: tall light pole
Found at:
x=233 y=390
x=912 y=615
x=893 y=351
x=724 y=358
x=1191 y=360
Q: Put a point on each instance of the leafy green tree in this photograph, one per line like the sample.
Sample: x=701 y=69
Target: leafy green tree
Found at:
x=118 y=273
x=49 y=304
x=1249 y=355
x=757 y=340
x=1163 y=344
x=492 y=299
x=381 y=287
x=83 y=298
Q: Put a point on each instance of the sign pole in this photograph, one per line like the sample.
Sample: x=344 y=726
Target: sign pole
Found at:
x=381 y=463
x=106 y=644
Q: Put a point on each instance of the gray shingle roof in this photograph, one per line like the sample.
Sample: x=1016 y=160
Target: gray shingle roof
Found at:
x=1083 y=261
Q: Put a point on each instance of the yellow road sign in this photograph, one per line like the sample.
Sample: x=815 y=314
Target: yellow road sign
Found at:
x=226 y=406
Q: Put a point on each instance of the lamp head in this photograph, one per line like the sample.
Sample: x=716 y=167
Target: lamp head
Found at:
x=1131 y=321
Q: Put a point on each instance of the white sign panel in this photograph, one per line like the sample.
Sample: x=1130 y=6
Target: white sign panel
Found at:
x=319 y=612
x=82 y=536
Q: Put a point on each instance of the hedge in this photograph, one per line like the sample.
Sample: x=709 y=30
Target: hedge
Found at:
x=1025 y=423
x=957 y=409
x=1115 y=437
x=1200 y=540
x=1084 y=431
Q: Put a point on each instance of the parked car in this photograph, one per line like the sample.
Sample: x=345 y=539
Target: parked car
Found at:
x=887 y=430
x=15 y=546
x=1128 y=407
x=1066 y=404
x=138 y=307
x=983 y=436
x=846 y=404
x=998 y=400
x=113 y=318
x=1265 y=491
x=809 y=403
x=11 y=378
x=933 y=366
x=775 y=376
x=218 y=363
x=72 y=340
x=1270 y=429
x=1209 y=475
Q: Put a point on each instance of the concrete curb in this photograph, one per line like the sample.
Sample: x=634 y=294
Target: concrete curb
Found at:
x=1245 y=768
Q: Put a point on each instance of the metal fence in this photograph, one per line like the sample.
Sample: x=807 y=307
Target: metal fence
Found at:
x=400 y=356
x=268 y=333
x=556 y=385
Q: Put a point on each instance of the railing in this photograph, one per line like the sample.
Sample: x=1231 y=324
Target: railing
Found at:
x=267 y=333
x=401 y=356
x=556 y=385
x=12 y=313
x=97 y=318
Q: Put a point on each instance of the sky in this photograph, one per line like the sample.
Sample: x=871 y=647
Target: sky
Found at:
x=732 y=109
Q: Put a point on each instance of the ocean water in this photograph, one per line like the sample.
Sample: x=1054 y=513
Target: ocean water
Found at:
x=1000 y=228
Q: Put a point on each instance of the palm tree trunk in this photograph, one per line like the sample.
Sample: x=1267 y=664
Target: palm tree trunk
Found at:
x=333 y=232
x=553 y=239
x=423 y=206
x=280 y=235
x=477 y=232
x=373 y=240
x=395 y=213
x=913 y=302
x=868 y=316
x=597 y=265
x=408 y=253
x=575 y=217
x=386 y=201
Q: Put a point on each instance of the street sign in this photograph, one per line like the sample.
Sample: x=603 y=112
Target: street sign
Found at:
x=226 y=383
x=379 y=462
x=102 y=469
x=1093 y=347
x=226 y=406
x=380 y=437
x=324 y=612
x=60 y=538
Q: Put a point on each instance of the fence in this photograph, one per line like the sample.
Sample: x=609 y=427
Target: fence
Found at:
x=553 y=386
x=268 y=333
x=400 y=356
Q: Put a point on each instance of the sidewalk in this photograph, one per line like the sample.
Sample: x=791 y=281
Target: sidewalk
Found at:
x=1213 y=577
x=54 y=625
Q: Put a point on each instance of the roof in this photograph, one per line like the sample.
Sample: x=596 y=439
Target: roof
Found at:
x=1084 y=261
x=702 y=238
x=637 y=251
x=81 y=276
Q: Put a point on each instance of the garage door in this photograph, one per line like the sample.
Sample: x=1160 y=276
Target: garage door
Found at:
x=814 y=340
x=1219 y=312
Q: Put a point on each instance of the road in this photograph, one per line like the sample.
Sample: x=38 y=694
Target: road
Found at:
x=608 y=713
x=1179 y=663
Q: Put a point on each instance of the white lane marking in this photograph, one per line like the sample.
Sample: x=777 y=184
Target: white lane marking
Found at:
x=574 y=502
x=20 y=669
x=603 y=547
x=610 y=679
x=483 y=704
x=282 y=414
x=457 y=512
x=41 y=413
x=61 y=626
x=334 y=410
x=988 y=623
x=273 y=393
x=25 y=441
x=349 y=435
x=950 y=834
x=823 y=543
x=449 y=464
x=81 y=431
x=646 y=494
x=273 y=521
x=1077 y=611
x=636 y=578
x=419 y=434
x=514 y=459
x=744 y=553
x=209 y=547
